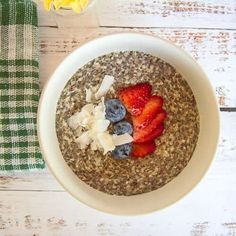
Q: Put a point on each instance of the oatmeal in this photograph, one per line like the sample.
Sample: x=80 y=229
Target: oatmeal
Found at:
x=174 y=147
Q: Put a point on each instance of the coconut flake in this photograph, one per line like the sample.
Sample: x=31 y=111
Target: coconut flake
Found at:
x=122 y=139
x=88 y=107
x=106 y=141
x=73 y=121
x=78 y=131
x=95 y=145
x=92 y=119
x=84 y=140
x=105 y=86
x=99 y=111
x=100 y=125
x=86 y=119
x=82 y=118
x=89 y=95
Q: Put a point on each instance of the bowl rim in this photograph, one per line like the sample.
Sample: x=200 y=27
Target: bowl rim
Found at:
x=217 y=113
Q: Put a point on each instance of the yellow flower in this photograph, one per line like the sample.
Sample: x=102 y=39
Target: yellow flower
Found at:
x=76 y=5
x=47 y=4
x=61 y=3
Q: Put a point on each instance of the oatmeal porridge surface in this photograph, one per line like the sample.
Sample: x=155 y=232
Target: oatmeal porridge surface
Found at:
x=174 y=147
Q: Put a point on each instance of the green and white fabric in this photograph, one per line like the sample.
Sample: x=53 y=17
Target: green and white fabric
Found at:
x=19 y=86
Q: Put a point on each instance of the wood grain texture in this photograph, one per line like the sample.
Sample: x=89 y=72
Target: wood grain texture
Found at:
x=44 y=214
x=28 y=206
x=167 y=13
x=215 y=50
x=40 y=180
x=217 y=14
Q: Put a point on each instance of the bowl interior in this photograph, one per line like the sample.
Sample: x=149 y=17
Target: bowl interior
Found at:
x=206 y=145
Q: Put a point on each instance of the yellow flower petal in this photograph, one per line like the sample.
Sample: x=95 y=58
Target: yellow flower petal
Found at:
x=79 y=5
x=84 y=3
x=57 y=4
x=76 y=5
x=47 y=4
x=62 y=3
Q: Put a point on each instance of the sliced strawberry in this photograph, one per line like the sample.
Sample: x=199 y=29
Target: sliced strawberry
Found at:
x=143 y=149
x=135 y=97
x=144 y=133
x=152 y=107
x=153 y=135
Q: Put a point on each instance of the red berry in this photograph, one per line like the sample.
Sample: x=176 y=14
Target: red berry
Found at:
x=143 y=134
x=143 y=149
x=153 y=135
x=135 y=97
x=152 y=107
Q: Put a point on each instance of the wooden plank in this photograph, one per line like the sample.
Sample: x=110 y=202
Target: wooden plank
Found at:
x=37 y=180
x=229 y=109
x=215 y=50
x=31 y=213
x=215 y=14
x=166 y=13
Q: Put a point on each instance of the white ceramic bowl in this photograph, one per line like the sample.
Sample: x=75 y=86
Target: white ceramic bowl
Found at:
x=202 y=156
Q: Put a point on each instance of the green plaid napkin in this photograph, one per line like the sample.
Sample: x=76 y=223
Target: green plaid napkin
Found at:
x=19 y=86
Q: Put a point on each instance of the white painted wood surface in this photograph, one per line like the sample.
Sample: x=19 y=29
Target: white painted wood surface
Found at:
x=215 y=14
x=168 y=13
x=33 y=203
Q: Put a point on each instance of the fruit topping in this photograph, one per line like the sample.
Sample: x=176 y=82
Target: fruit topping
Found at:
x=143 y=149
x=135 y=97
x=122 y=151
x=91 y=124
x=152 y=107
x=115 y=110
x=151 y=136
x=143 y=134
x=123 y=127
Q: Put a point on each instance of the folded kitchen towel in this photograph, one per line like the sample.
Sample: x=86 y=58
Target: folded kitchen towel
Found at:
x=19 y=86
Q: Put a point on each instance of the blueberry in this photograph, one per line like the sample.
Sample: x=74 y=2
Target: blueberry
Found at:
x=122 y=151
x=115 y=110
x=123 y=127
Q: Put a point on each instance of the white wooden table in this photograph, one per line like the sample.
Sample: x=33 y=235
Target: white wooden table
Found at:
x=35 y=204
